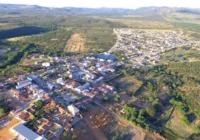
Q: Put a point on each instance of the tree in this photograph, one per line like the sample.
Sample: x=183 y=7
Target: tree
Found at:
x=74 y=137
x=147 y=127
x=185 y=120
x=2 y=111
x=63 y=105
x=151 y=111
x=65 y=134
x=39 y=104
x=117 y=98
x=84 y=131
x=105 y=98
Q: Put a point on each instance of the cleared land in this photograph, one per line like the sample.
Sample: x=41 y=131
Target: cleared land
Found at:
x=89 y=119
x=128 y=84
x=76 y=44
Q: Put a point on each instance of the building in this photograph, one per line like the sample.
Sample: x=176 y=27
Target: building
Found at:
x=74 y=110
x=81 y=88
x=60 y=81
x=23 y=84
x=46 y=64
x=24 y=133
x=106 y=57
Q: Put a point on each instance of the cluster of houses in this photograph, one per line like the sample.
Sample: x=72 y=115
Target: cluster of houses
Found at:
x=75 y=83
x=143 y=47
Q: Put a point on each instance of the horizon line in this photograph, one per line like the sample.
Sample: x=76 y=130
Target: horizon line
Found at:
x=95 y=7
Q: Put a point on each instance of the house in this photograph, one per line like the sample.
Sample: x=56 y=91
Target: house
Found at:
x=81 y=88
x=23 y=116
x=60 y=81
x=46 y=64
x=105 y=57
x=97 y=81
x=50 y=86
x=23 y=84
x=43 y=125
x=68 y=126
x=72 y=85
x=89 y=76
x=33 y=88
x=61 y=110
x=73 y=110
x=24 y=133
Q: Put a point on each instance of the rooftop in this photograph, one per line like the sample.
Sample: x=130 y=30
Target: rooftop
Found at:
x=27 y=133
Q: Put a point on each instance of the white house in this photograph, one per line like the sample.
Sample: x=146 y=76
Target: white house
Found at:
x=72 y=109
x=46 y=64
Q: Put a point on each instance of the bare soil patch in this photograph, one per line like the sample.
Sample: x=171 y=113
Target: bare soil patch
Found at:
x=5 y=133
x=76 y=43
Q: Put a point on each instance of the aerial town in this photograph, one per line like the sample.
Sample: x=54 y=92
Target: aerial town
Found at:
x=144 y=47
x=48 y=101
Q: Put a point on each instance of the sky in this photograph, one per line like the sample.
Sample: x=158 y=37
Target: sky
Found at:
x=132 y=4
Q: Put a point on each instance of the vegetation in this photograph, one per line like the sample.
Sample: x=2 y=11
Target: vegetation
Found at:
x=74 y=137
x=50 y=42
x=15 y=57
x=4 y=109
x=136 y=116
x=163 y=88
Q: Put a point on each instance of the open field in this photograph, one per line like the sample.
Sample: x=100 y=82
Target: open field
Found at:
x=16 y=39
x=144 y=24
x=181 y=54
x=89 y=118
x=76 y=43
x=188 y=69
x=129 y=84
x=178 y=126
x=182 y=17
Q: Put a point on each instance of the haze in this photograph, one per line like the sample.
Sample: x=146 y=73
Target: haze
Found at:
x=105 y=3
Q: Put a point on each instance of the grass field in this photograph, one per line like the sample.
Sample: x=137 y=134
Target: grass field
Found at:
x=129 y=84
x=178 y=126
x=143 y=24
x=188 y=69
x=180 y=54
x=99 y=39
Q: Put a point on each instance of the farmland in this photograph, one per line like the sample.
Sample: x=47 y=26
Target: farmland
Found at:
x=76 y=44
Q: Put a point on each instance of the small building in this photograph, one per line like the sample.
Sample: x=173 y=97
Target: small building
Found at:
x=24 y=133
x=60 y=81
x=74 y=110
x=106 y=57
x=23 y=84
x=46 y=64
x=81 y=88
